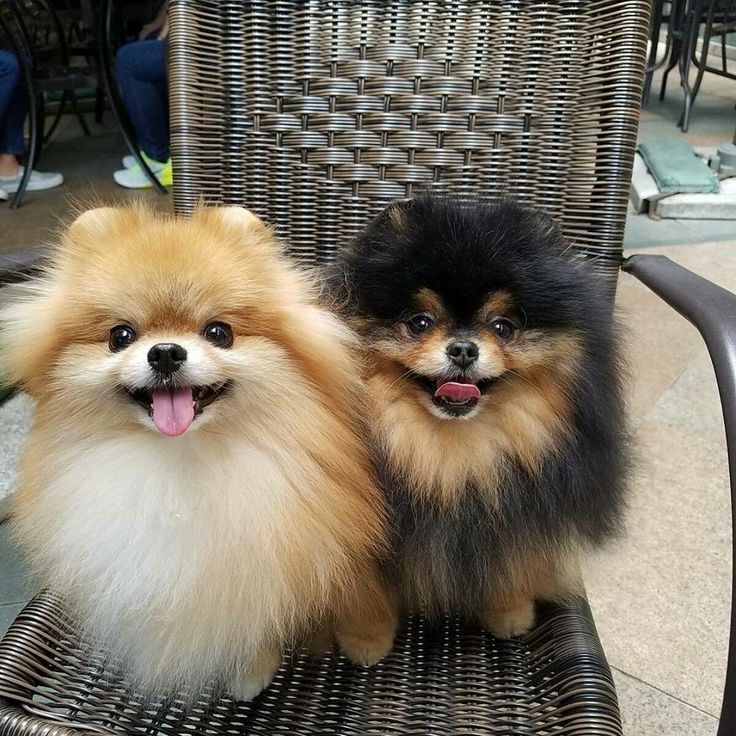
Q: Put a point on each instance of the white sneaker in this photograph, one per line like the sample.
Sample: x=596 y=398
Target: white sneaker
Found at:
x=130 y=162
x=134 y=178
x=4 y=195
x=37 y=182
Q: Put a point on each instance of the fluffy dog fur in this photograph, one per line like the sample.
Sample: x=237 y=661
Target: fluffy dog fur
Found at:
x=196 y=556
x=493 y=497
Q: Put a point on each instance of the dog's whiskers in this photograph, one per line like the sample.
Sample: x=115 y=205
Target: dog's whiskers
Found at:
x=404 y=375
x=518 y=375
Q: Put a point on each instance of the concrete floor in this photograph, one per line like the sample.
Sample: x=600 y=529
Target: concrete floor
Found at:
x=87 y=164
x=661 y=597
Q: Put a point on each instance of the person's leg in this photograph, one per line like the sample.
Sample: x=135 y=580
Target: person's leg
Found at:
x=13 y=109
x=141 y=72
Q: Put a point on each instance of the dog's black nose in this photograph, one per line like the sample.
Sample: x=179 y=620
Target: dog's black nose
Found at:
x=462 y=352
x=166 y=357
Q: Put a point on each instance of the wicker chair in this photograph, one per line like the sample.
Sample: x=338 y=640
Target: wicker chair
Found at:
x=316 y=113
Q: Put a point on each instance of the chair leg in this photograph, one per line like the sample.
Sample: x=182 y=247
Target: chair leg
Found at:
x=41 y=117
x=99 y=104
x=57 y=118
x=690 y=40
x=104 y=44
x=701 y=66
x=675 y=30
x=671 y=64
x=35 y=102
x=724 y=57
x=82 y=122
x=652 y=64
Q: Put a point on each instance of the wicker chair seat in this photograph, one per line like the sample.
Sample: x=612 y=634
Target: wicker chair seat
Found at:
x=449 y=679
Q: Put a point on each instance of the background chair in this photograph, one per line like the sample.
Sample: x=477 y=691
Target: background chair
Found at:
x=52 y=27
x=316 y=113
x=684 y=19
x=33 y=30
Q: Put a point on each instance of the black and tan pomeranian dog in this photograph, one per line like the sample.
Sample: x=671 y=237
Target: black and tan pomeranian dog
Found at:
x=495 y=388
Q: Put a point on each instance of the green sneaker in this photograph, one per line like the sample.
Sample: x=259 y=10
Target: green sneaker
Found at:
x=133 y=177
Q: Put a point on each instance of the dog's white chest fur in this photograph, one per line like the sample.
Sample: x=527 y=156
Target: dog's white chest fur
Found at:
x=176 y=550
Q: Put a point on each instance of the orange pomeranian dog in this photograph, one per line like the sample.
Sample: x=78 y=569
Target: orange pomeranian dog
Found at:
x=195 y=483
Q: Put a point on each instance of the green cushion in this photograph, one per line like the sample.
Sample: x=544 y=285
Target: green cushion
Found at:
x=676 y=168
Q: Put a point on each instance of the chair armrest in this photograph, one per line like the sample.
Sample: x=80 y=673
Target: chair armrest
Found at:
x=19 y=265
x=712 y=310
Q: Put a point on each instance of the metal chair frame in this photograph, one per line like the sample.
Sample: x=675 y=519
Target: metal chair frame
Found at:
x=106 y=19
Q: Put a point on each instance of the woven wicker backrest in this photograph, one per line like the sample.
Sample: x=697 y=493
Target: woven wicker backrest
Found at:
x=316 y=113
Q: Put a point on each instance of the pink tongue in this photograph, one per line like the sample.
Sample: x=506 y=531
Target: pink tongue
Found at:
x=173 y=410
x=458 y=391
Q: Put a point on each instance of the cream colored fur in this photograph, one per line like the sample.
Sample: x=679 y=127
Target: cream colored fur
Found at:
x=199 y=556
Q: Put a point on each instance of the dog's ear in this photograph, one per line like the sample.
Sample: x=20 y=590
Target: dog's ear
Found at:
x=238 y=221
x=543 y=222
x=240 y=217
x=231 y=219
x=252 y=232
x=92 y=226
x=96 y=220
x=31 y=310
x=397 y=216
x=548 y=228
x=89 y=232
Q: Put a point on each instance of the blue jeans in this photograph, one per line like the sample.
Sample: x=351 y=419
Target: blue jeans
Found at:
x=13 y=104
x=141 y=71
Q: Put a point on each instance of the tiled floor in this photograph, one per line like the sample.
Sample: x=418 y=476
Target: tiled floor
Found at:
x=661 y=597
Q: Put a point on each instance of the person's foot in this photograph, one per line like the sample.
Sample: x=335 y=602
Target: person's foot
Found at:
x=3 y=195
x=37 y=182
x=134 y=178
x=130 y=161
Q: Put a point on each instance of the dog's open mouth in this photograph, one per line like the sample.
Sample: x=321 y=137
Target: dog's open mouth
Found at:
x=174 y=408
x=456 y=396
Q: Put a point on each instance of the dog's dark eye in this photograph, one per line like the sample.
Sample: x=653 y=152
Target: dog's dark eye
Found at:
x=120 y=337
x=419 y=323
x=219 y=334
x=504 y=328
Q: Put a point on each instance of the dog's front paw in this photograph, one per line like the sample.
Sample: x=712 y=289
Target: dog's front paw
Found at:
x=510 y=622
x=246 y=687
x=249 y=684
x=365 y=649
